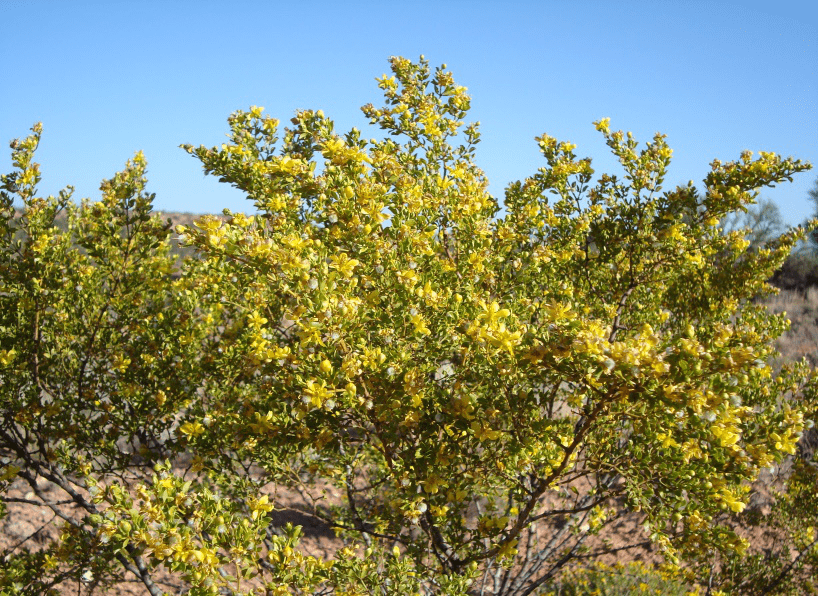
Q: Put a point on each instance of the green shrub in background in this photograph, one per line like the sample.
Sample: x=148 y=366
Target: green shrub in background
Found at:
x=621 y=579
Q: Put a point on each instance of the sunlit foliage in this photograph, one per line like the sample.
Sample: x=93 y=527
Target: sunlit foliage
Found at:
x=485 y=386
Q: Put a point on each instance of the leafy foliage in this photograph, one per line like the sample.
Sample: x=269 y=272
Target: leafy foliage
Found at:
x=486 y=390
x=762 y=223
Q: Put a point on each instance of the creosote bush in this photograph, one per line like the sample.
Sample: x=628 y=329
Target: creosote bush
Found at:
x=486 y=389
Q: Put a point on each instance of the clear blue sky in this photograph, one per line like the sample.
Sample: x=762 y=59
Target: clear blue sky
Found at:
x=109 y=78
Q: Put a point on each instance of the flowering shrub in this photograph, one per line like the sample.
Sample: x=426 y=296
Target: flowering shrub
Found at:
x=486 y=388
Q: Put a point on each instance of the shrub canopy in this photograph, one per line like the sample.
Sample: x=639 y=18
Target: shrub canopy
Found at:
x=480 y=388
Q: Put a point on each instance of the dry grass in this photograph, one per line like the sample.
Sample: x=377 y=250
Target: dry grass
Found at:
x=801 y=341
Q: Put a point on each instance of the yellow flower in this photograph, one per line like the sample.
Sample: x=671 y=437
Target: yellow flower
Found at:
x=259 y=506
x=484 y=432
x=310 y=333
x=333 y=146
x=508 y=550
x=256 y=320
x=284 y=165
x=343 y=264
x=407 y=277
x=373 y=358
x=316 y=393
x=411 y=419
x=263 y=424
x=667 y=440
x=206 y=556
x=420 y=324
x=7 y=357
x=730 y=500
x=433 y=484
x=209 y=223
x=559 y=311
x=603 y=125
x=192 y=429
x=726 y=435
x=241 y=220
x=504 y=339
x=492 y=313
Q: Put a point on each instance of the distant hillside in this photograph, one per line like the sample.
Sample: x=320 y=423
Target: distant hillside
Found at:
x=185 y=219
x=176 y=218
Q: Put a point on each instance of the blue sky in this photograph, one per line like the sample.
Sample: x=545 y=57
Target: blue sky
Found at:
x=109 y=78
